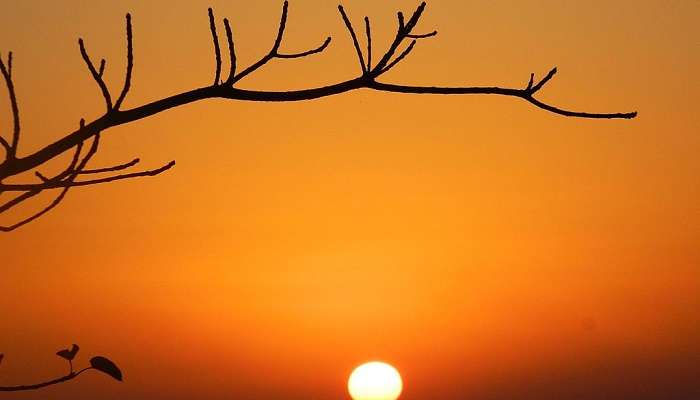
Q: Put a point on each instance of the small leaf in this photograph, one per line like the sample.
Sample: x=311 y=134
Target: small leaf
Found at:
x=103 y=364
x=1 y=357
x=69 y=354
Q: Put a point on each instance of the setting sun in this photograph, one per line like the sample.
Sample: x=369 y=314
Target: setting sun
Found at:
x=375 y=381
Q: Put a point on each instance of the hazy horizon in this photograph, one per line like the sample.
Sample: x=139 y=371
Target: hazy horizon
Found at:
x=486 y=248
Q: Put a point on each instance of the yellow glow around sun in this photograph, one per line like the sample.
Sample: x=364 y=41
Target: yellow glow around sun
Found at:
x=375 y=381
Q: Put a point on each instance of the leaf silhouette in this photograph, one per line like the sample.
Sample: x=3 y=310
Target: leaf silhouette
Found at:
x=69 y=354
x=103 y=364
x=1 y=357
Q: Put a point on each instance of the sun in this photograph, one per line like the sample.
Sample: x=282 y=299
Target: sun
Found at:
x=375 y=381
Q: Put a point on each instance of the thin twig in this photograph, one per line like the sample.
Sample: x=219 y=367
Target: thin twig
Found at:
x=25 y=221
x=217 y=49
x=119 y=167
x=523 y=94
x=62 y=379
x=356 y=43
x=5 y=145
x=306 y=53
x=101 y=71
x=231 y=52
x=69 y=170
x=70 y=183
x=274 y=51
x=282 y=27
x=19 y=199
x=400 y=57
x=403 y=30
x=129 y=63
x=7 y=74
x=544 y=80
x=421 y=36
x=368 y=33
x=88 y=156
x=9 y=63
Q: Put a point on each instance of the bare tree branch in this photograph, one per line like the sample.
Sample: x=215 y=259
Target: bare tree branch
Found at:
x=35 y=216
x=114 y=116
x=36 y=386
x=11 y=148
x=231 y=52
x=129 y=65
x=19 y=199
x=306 y=53
x=422 y=36
x=282 y=27
x=118 y=167
x=544 y=81
x=97 y=363
x=368 y=34
x=103 y=64
x=71 y=183
x=217 y=49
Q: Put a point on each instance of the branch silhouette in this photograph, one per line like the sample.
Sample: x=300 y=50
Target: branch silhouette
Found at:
x=97 y=363
x=405 y=38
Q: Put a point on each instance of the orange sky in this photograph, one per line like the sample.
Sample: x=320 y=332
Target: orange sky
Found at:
x=486 y=248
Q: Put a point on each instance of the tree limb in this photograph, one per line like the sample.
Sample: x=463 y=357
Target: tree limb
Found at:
x=115 y=116
x=35 y=386
x=97 y=363
x=11 y=148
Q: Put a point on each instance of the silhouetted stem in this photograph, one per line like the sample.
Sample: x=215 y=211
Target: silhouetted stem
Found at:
x=11 y=148
x=96 y=75
x=116 y=118
x=217 y=49
x=129 y=63
x=36 y=386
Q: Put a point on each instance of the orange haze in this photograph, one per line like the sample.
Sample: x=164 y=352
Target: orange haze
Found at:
x=486 y=248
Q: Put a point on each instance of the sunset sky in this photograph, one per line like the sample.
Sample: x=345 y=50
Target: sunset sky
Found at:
x=486 y=248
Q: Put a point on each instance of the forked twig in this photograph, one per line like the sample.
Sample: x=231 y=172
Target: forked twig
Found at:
x=96 y=75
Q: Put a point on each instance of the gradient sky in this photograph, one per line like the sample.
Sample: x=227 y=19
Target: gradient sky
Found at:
x=486 y=248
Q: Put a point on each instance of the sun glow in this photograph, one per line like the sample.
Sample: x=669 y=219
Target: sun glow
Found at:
x=375 y=381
